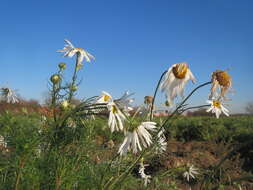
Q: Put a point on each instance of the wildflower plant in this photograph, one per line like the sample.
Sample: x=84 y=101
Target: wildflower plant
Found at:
x=140 y=136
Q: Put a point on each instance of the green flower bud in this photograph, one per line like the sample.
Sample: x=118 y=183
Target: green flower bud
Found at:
x=62 y=66
x=55 y=78
x=73 y=88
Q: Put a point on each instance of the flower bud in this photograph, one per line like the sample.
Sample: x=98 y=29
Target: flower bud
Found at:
x=55 y=78
x=64 y=104
x=73 y=88
x=62 y=66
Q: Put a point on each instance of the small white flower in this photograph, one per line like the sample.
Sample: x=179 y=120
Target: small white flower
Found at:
x=144 y=176
x=125 y=101
x=217 y=108
x=116 y=117
x=175 y=79
x=140 y=135
x=162 y=144
x=104 y=98
x=3 y=143
x=69 y=51
x=9 y=95
x=191 y=171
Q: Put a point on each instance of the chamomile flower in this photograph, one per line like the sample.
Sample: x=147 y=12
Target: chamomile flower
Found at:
x=125 y=101
x=9 y=95
x=190 y=172
x=162 y=144
x=217 y=108
x=69 y=51
x=116 y=117
x=144 y=176
x=139 y=136
x=104 y=98
x=175 y=80
x=221 y=80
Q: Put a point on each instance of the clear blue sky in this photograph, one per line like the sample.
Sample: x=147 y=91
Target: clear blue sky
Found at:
x=133 y=41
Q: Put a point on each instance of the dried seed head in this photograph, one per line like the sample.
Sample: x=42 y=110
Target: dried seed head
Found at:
x=148 y=100
x=222 y=77
x=180 y=70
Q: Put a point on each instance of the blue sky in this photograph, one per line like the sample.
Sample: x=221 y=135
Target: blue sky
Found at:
x=133 y=42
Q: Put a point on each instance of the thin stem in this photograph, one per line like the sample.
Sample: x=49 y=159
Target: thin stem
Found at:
x=193 y=107
x=71 y=92
x=153 y=101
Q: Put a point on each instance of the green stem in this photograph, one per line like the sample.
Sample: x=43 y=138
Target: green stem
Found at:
x=71 y=91
x=153 y=101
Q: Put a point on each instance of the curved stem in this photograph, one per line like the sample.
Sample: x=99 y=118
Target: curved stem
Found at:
x=153 y=101
x=193 y=107
x=182 y=103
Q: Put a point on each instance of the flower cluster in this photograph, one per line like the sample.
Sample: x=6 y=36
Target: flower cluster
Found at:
x=179 y=74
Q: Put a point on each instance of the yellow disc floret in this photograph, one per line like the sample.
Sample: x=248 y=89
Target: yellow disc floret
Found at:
x=216 y=104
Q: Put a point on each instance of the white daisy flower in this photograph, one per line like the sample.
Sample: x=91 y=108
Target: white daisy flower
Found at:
x=104 y=98
x=175 y=79
x=140 y=135
x=116 y=117
x=144 y=176
x=9 y=95
x=221 y=80
x=217 y=108
x=69 y=51
x=162 y=144
x=191 y=171
x=125 y=101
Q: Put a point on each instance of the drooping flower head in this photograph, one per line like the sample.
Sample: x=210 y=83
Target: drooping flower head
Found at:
x=217 y=107
x=116 y=117
x=69 y=51
x=221 y=80
x=175 y=79
x=9 y=95
x=139 y=136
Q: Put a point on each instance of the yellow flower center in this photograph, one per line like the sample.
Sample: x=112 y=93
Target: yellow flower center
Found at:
x=180 y=70
x=217 y=104
x=106 y=98
x=114 y=109
x=223 y=78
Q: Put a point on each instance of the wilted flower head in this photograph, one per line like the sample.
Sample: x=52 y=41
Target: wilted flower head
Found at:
x=116 y=117
x=70 y=51
x=144 y=176
x=175 y=79
x=140 y=135
x=9 y=95
x=217 y=107
x=190 y=172
x=125 y=101
x=148 y=100
x=221 y=80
